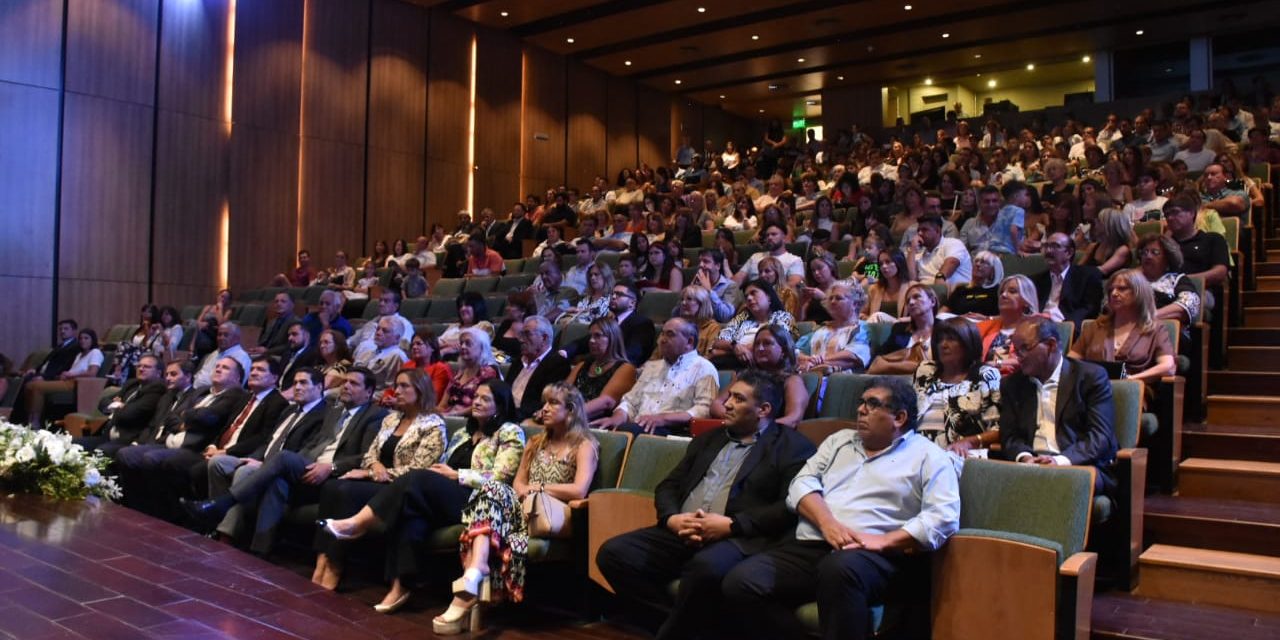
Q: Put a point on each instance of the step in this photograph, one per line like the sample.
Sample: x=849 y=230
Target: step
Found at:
x=1243 y=383
x=1261 y=299
x=1254 y=358
x=1212 y=523
x=1249 y=337
x=1225 y=578
x=1229 y=479
x=1268 y=283
x=1272 y=243
x=1243 y=445
x=1124 y=616
x=1263 y=317
x=1227 y=427
x=1243 y=410
x=1267 y=269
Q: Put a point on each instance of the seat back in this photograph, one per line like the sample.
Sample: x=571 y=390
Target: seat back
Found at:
x=819 y=429
x=447 y=288
x=1066 y=333
x=513 y=266
x=842 y=395
x=1030 y=266
x=1127 y=396
x=613 y=450
x=415 y=308
x=118 y=333
x=1049 y=503
x=1144 y=228
x=252 y=315
x=453 y=423
x=481 y=285
x=650 y=460
x=878 y=334
x=572 y=332
x=658 y=305
x=1232 y=235
x=517 y=280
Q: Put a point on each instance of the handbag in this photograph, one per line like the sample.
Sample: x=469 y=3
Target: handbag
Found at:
x=546 y=516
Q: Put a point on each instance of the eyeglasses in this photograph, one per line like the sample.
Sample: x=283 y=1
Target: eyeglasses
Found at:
x=871 y=403
x=1022 y=350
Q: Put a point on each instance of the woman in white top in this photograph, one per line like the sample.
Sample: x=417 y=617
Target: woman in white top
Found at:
x=729 y=160
x=86 y=365
x=840 y=344
x=171 y=335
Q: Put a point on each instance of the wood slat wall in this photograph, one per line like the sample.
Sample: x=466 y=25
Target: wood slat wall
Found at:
x=347 y=123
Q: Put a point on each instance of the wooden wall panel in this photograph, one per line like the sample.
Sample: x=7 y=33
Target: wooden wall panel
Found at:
x=99 y=304
x=191 y=186
x=193 y=57
x=183 y=294
x=398 y=80
x=106 y=190
x=264 y=205
x=31 y=42
x=497 y=165
x=715 y=127
x=653 y=126
x=621 y=117
x=397 y=194
x=30 y=322
x=111 y=49
x=28 y=173
x=332 y=213
x=587 y=132
x=334 y=79
x=268 y=65
x=448 y=100
x=686 y=120
x=542 y=152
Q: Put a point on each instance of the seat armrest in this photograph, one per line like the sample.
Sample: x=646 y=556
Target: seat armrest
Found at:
x=579 y=504
x=1078 y=574
x=1131 y=467
x=617 y=511
x=88 y=392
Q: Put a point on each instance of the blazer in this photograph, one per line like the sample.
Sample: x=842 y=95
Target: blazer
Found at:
x=59 y=360
x=553 y=368
x=205 y=424
x=275 y=336
x=757 y=498
x=515 y=249
x=300 y=434
x=168 y=415
x=355 y=440
x=1084 y=417
x=309 y=357
x=641 y=336
x=260 y=424
x=1081 y=296
x=133 y=418
x=421 y=446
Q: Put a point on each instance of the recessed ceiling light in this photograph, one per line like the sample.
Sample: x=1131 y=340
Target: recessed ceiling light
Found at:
x=946 y=35
x=977 y=75
x=1086 y=59
x=762 y=111
x=1168 y=70
x=811 y=102
x=1139 y=32
x=722 y=96
x=755 y=37
x=702 y=9
x=977 y=55
x=1031 y=67
x=906 y=7
x=569 y=40
x=627 y=62
x=799 y=59
x=991 y=83
x=839 y=77
x=928 y=81
x=504 y=14
x=773 y=87
x=677 y=82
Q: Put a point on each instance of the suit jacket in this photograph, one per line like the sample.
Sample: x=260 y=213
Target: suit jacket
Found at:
x=515 y=249
x=260 y=424
x=131 y=419
x=309 y=357
x=1081 y=297
x=355 y=440
x=275 y=335
x=58 y=360
x=300 y=434
x=757 y=499
x=641 y=336
x=1084 y=417
x=553 y=368
x=168 y=415
x=205 y=424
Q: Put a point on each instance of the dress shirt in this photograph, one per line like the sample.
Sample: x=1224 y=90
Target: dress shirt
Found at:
x=711 y=494
x=1055 y=288
x=576 y=278
x=384 y=364
x=362 y=340
x=233 y=432
x=913 y=485
x=176 y=440
x=723 y=301
x=1046 y=438
x=326 y=456
x=282 y=432
x=518 y=386
x=204 y=377
x=929 y=262
x=688 y=385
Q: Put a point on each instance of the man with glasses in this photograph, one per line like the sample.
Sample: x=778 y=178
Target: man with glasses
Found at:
x=1067 y=291
x=638 y=331
x=1056 y=410
x=872 y=501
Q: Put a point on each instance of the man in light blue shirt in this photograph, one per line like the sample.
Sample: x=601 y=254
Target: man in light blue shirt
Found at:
x=871 y=502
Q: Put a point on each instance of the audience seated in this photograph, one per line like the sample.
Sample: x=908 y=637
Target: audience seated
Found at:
x=733 y=347
x=328 y=316
x=1204 y=255
x=594 y=302
x=473 y=311
x=251 y=429
x=979 y=298
x=909 y=341
x=302 y=354
x=275 y=335
x=424 y=354
x=774 y=352
x=129 y=410
x=1017 y=301
x=1176 y=298
x=335 y=359
x=635 y=326
x=1068 y=292
x=1129 y=332
x=670 y=391
x=959 y=395
x=537 y=366
x=387 y=357
x=388 y=307
x=86 y=363
x=604 y=374
x=476 y=364
x=696 y=306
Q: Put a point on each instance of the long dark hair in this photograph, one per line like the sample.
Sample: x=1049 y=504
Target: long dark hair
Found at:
x=505 y=409
x=775 y=303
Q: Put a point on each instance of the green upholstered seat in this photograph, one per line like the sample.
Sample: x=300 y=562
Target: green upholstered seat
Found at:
x=190 y=312
x=878 y=334
x=512 y=266
x=649 y=461
x=531 y=266
x=842 y=395
x=514 y=281
x=415 y=308
x=371 y=311
x=447 y=288
x=1029 y=266
x=445 y=311
x=1047 y=507
x=1127 y=395
x=481 y=285
x=118 y=333
x=311 y=296
x=252 y=315
x=658 y=305
x=572 y=332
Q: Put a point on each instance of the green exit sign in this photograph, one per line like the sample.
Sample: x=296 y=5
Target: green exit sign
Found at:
x=798 y=123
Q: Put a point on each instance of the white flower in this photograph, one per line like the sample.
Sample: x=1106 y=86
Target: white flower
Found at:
x=25 y=454
x=56 y=450
x=92 y=477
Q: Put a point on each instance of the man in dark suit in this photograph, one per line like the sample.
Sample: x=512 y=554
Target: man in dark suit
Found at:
x=723 y=502
x=537 y=367
x=178 y=397
x=275 y=334
x=1067 y=291
x=255 y=420
x=291 y=478
x=1081 y=431
x=508 y=238
x=130 y=410
x=641 y=336
x=54 y=364
x=301 y=354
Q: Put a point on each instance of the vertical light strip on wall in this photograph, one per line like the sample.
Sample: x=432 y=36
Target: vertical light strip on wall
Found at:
x=228 y=75
x=471 y=134
x=302 y=138
x=524 y=100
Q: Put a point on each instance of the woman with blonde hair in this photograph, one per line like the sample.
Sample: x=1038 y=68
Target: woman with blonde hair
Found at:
x=1128 y=331
x=475 y=355
x=558 y=463
x=605 y=374
x=910 y=340
x=771 y=271
x=696 y=307
x=1017 y=300
x=979 y=299
x=1112 y=248
x=841 y=343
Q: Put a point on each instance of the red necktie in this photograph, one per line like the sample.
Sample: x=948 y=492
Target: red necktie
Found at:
x=238 y=423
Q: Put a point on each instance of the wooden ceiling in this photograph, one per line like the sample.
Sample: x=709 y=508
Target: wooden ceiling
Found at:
x=772 y=55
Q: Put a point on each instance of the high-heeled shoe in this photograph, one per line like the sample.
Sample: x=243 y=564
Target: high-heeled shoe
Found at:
x=327 y=525
x=473 y=583
x=394 y=606
x=451 y=622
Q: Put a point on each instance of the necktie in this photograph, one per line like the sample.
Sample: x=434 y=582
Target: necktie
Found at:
x=229 y=435
x=1055 y=289
x=278 y=443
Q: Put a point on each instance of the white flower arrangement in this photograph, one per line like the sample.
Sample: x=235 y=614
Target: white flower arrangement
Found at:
x=50 y=464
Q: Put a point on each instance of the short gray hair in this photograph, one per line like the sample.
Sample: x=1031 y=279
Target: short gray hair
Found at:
x=543 y=326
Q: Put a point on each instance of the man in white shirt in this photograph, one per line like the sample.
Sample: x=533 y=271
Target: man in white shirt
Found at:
x=576 y=277
x=976 y=232
x=1148 y=205
x=939 y=259
x=388 y=307
x=385 y=361
x=670 y=391
x=421 y=250
x=773 y=238
x=775 y=188
x=228 y=347
x=1196 y=156
x=1163 y=146
x=1001 y=171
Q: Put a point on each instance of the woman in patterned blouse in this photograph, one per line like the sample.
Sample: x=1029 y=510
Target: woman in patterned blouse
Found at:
x=733 y=349
x=411 y=437
x=488 y=448
x=478 y=365
x=959 y=395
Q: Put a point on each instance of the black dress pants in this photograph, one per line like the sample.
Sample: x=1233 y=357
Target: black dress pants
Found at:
x=412 y=507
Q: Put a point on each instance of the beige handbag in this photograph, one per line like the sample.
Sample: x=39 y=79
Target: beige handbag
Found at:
x=546 y=515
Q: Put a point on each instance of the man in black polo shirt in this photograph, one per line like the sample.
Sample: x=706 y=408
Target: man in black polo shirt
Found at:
x=1203 y=254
